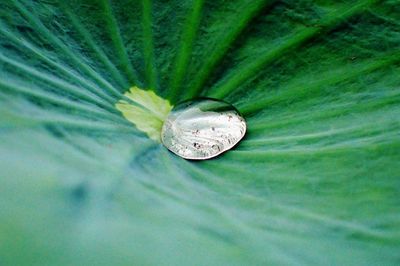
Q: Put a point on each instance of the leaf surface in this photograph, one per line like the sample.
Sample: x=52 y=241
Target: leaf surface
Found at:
x=315 y=181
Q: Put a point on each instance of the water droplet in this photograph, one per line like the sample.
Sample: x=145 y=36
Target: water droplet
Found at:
x=202 y=128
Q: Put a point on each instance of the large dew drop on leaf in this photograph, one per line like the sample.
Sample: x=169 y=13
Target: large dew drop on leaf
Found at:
x=202 y=128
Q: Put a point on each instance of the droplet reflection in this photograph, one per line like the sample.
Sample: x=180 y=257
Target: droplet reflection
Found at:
x=202 y=128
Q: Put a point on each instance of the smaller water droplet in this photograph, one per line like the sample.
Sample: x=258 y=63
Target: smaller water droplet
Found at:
x=202 y=128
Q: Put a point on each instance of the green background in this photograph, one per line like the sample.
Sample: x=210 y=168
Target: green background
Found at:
x=316 y=181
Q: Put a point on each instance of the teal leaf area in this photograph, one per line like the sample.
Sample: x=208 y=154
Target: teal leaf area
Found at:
x=315 y=181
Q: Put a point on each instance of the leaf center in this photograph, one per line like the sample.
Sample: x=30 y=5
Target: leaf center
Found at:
x=146 y=110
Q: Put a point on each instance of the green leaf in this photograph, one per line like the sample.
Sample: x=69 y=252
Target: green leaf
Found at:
x=315 y=181
x=148 y=114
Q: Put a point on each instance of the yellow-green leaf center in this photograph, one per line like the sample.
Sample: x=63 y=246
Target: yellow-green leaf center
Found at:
x=146 y=110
